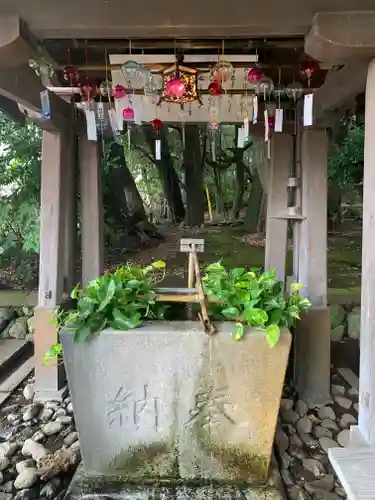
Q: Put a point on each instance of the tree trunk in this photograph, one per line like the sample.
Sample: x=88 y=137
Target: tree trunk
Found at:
x=219 y=198
x=167 y=174
x=254 y=204
x=240 y=188
x=123 y=176
x=193 y=168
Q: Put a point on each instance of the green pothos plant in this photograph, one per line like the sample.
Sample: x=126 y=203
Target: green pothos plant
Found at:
x=252 y=298
x=123 y=300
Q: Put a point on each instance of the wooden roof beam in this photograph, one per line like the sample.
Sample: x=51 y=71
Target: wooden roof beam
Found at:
x=337 y=37
x=340 y=88
x=21 y=84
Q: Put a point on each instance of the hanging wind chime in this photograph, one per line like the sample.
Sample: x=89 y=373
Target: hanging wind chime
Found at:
x=88 y=90
x=157 y=126
x=215 y=92
x=308 y=69
x=255 y=76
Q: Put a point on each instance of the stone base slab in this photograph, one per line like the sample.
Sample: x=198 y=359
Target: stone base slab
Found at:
x=99 y=488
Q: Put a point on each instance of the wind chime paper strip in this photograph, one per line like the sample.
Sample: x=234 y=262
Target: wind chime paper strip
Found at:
x=241 y=138
x=46 y=105
x=266 y=126
x=308 y=110
x=255 y=109
x=100 y=111
x=279 y=118
x=158 y=149
x=91 y=125
x=246 y=127
x=112 y=115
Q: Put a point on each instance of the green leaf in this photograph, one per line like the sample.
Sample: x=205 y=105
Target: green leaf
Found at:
x=123 y=322
x=216 y=266
x=238 y=331
x=159 y=264
x=272 y=335
x=82 y=333
x=230 y=312
x=293 y=312
x=255 y=316
x=296 y=287
x=109 y=295
x=237 y=272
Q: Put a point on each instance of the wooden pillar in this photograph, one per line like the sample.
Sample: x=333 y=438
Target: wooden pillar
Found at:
x=277 y=203
x=366 y=417
x=313 y=232
x=70 y=212
x=312 y=339
x=91 y=210
x=49 y=379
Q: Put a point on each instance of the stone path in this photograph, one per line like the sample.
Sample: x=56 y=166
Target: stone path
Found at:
x=304 y=435
x=39 y=448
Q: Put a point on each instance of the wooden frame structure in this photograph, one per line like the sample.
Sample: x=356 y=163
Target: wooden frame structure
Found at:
x=342 y=39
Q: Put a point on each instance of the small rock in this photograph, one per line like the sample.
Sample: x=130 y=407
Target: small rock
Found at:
x=18 y=329
x=75 y=447
x=340 y=492
x=38 y=436
x=325 y=483
x=343 y=438
x=51 y=489
x=337 y=333
x=329 y=424
x=289 y=416
x=69 y=408
x=327 y=443
x=46 y=415
x=347 y=420
x=297 y=493
x=286 y=460
x=314 y=419
x=300 y=474
x=71 y=438
x=301 y=408
x=25 y=464
x=326 y=412
x=8 y=449
x=26 y=479
x=304 y=425
x=52 y=405
x=286 y=404
x=31 y=324
x=7 y=487
x=353 y=392
x=338 y=314
x=65 y=419
x=287 y=478
x=297 y=452
x=320 y=432
x=344 y=402
x=36 y=450
x=338 y=390
x=29 y=391
x=31 y=412
x=295 y=440
x=289 y=429
x=60 y=461
x=356 y=407
x=60 y=413
x=309 y=441
x=52 y=428
x=4 y=463
x=6 y=496
x=354 y=323
x=12 y=418
x=281 y=439
x=313 y=466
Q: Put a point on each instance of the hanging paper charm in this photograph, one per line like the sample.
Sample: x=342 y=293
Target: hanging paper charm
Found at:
x=157 y=125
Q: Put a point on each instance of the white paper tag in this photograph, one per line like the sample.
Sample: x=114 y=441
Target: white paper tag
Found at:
x=246 y=128
x=91 y=126
x=120 y=117
x=241 y=138
x=158 y=149
x=279 y=117
x=255 y=109
x=266 y=126
x=46 y=105
x=112 y=115
x=213 y=150
x=100 y=111
x=308 y=110
x=269 y=150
